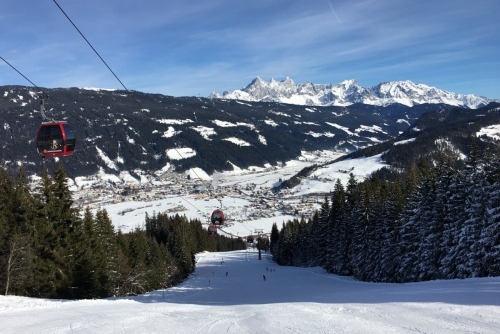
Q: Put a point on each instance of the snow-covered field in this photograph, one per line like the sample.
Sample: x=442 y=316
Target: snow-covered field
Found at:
x=235 y=292
x=228 y=294
x=128 y=215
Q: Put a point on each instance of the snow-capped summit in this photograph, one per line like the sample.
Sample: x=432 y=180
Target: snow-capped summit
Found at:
x=348 y=83
x=349 y=92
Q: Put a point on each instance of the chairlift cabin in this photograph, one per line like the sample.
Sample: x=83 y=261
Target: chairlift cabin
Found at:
x=217 y=217
x=55 y=139
x=212 y=230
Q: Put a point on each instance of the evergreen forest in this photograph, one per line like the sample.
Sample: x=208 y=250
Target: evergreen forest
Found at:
x=50 y=249
x=434 y=221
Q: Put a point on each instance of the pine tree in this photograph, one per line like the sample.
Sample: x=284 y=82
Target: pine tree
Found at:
x=23 y=206
x=6 y=189
x=105 y=254
x=353 y=198
x=363 y=242
x=391 y=209
x=275 y=236
x=321 y=235
x=16 y=255
x=312 y=249
x=285 y=244
x=57 y=231
x=390 y=224
x=410 y=235
x=20 y=252
x=436 y=203
x=489 y=242
x=86 y=265
x=134 y=280
x=467 y=251
x=337 y=245
x=427 y=226
x=45 y=243
x=453 y=222
x=69 y=230
x=180 y=247
x=303 y=243
x=157 y=262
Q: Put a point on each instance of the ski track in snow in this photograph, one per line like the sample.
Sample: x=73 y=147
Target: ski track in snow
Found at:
x=290 y=300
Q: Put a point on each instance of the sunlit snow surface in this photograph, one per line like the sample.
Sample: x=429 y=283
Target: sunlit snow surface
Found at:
x=127 y=216
x=228 y=294
x=492 y=131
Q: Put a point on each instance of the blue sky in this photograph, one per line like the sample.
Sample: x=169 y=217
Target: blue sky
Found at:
x=195 y=47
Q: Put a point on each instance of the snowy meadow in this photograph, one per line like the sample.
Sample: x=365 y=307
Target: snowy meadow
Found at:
x=237 y=293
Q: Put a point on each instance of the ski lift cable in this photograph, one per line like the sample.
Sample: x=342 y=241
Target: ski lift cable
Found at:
x=15 y=69
x=92 y=47
x=86 y=40
x=104 y=62
x=230 y=234
x=43 y=95
x=109 y=68
x=56 y=147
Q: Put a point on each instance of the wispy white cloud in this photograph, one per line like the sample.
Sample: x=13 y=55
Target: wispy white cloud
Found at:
x=334 y=13
x=195 y=48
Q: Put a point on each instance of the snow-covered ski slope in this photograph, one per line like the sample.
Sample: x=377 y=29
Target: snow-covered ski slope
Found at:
x=228 y=294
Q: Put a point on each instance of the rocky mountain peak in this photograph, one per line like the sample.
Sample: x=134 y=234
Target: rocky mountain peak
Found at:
x=349 y=92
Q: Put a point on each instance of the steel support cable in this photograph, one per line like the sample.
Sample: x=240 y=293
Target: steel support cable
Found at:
x=109 y=68
x=86 y=40
x=43 y=94
x=15 y=69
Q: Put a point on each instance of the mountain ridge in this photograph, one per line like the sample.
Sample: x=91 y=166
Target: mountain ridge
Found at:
x=133 y=132
x=348 y=92
x=128 y=130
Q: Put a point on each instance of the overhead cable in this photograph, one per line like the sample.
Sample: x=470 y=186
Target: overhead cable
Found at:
x=86 y=40
x=109 y=68
x=15 y=69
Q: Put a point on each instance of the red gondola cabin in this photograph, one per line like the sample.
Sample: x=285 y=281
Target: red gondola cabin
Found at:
x=55 y=139
x=217 y=217
x=212 y=230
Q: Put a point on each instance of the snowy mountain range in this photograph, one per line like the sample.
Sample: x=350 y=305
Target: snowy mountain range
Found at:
x=120 y=131
x=349 y=92
x=130 y=131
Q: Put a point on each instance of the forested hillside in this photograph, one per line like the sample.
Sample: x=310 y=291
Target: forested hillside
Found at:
x=452 y=131
x=128 y=130
x=434 y=214
x=47 y=249
x=431 y=222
